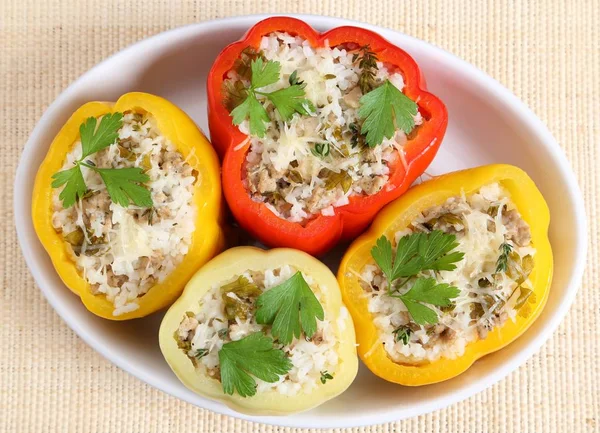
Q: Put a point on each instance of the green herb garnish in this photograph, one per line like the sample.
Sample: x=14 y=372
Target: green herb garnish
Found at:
x=287 y=101
x=123 y=184
x=94 y=140
x=291 y=307
x=402 y=333
x=427 y=291
x=502 y=262
x=325 y=376
x=200 y=353
x=384 y=110
x=253 y=355
x=321 y=150
x=74 y=183
x=293 y=79
x=367 y=62
x=416 y=253
x=357 y=139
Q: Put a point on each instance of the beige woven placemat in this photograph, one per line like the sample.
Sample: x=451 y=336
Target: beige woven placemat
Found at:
x=546 y=52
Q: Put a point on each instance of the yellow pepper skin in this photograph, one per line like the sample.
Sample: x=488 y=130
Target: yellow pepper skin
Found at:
x=207 y=238
x=397 y=216
x=224 y=267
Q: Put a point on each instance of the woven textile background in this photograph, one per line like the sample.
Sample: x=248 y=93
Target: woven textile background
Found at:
x=546 y=52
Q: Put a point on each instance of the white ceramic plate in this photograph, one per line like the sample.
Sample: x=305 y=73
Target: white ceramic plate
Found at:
x=487 y=124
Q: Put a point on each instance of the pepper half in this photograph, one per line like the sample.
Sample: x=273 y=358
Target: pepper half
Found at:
x=234 y=262
x=207 y=238
x=398 y=216
x=321 y=233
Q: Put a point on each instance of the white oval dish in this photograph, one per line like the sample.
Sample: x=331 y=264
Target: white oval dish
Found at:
x=486 y=124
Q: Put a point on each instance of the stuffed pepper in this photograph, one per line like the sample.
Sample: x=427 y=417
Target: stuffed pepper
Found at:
x=318 y=131
x=127 y=204
x=265 y=332
x=457 y=268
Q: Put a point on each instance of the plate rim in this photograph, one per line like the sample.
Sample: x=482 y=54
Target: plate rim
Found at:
x=23 y=218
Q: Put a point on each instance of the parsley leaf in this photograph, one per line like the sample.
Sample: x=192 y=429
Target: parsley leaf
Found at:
x=252 y=355
x=94 y=140
x=415 y=253
x=254 y=111
x=263 y=73
x=123 y=185
x=384 y=110
x=382 y=253
x=286 y=101
x=435 y=249
x=408 y=262
x=291 y=307
x=427 y=291
x=74 y=185
x=291 y=100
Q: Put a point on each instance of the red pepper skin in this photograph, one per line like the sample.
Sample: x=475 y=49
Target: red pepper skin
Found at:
x=321 y=233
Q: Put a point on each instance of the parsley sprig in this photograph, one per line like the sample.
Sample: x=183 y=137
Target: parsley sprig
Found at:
x=416 y=253
x=287 y=101
x=291 y=307
x=124 y=185
x=252 y=355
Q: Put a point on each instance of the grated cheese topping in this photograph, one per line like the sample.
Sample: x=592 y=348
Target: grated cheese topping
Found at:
x=481 y=222
x=282 y=169
x=123 y=252
x=214 y=325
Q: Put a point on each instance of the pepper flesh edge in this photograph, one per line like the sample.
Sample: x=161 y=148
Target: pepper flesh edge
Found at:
x=207 y=238
x=322 y=232
x=234 y=262
x=397 y=216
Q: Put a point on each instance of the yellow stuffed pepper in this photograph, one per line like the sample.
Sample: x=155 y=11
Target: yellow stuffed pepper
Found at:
x=265 y=332
x=456 y=268
x=127 y=203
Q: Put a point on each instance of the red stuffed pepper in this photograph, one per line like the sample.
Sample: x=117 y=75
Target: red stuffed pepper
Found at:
x=318 y=131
